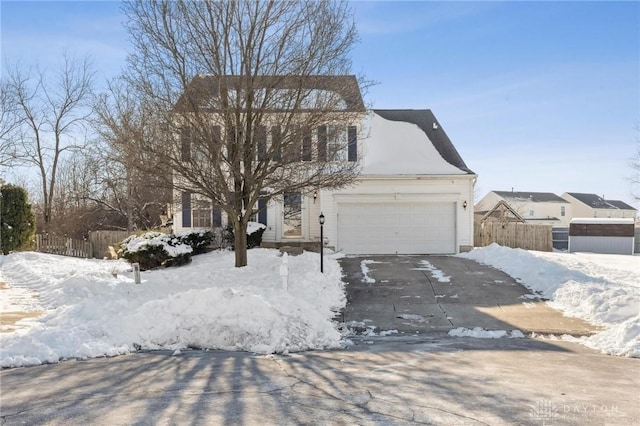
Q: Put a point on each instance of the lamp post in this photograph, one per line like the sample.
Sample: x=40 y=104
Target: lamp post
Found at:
x=321 y=220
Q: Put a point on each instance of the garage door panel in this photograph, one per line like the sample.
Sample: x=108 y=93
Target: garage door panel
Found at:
x=404 y=228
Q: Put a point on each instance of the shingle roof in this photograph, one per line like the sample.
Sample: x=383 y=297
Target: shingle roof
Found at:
x=427 y=122
x=597 y=202
x=535 y=197
x=205 y=87
x=620 y=204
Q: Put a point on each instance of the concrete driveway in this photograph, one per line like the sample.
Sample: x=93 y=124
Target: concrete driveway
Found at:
x=434 y=294
x=430 y=379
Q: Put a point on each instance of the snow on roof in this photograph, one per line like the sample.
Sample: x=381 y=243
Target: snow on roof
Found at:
x=534 y=197
x=602 y=220
x=401 y=147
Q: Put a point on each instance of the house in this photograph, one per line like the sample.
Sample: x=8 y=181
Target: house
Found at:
x=592 y=205
x=413 y=194
x=534 y=207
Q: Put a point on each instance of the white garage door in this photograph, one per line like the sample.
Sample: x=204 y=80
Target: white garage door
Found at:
x=396 y=228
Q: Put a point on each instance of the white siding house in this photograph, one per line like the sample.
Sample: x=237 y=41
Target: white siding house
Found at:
x=413 y=195
x=534 y=207
x=592 y=205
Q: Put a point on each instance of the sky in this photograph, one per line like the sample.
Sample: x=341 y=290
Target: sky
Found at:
x=536 y=96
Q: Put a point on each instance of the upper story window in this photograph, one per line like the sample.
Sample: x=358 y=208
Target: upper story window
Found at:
x=562 y=210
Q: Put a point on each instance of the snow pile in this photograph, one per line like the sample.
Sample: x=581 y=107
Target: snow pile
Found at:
x=602 y=289
x=364 y=267
x=172 y=245
x=93 y=308
x=435 y=272
x=480 y=333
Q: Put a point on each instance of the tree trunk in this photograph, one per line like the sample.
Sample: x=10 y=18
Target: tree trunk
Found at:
x=240 y=243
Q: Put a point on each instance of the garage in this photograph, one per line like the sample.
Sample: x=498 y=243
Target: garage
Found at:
x=397 y=228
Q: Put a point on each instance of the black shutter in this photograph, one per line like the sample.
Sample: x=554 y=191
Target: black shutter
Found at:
x=262 y=211
x=353 y=143
x=306 y=145
x=322 y=143
x=217 y=217
x=186 y=209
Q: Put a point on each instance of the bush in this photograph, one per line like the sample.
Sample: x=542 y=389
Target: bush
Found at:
x=17 y=221
x=198 y=240
x=154 y=249
x=254 y=235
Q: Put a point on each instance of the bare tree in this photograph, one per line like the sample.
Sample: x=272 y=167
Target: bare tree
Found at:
x=635 y=166
x=52 y=114
x=237 y=88
x=8 y=124
x=123 y=123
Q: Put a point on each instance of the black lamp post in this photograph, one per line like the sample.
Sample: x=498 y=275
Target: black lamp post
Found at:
x=321 y=220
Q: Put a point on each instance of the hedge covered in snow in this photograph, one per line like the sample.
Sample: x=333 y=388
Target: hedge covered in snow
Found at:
x=155 y=249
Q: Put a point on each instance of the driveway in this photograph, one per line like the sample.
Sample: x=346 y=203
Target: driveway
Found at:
x=435 y=294
x=426 y=380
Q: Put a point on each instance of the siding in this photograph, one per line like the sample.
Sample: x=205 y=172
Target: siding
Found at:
x=605 y=245
x=428 y=189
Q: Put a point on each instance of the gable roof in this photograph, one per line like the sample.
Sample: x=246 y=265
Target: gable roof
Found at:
x=620 y=204
x=533 y=197
x=427 y=122
x=501 y=211
x=597 y=202
x=205 y=87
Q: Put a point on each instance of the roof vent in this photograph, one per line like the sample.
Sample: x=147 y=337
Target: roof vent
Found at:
x=435 y=126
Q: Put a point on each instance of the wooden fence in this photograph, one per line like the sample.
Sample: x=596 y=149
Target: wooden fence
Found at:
x=101 y=240
x=514 y=234
x=96 y=246
x=55 y=244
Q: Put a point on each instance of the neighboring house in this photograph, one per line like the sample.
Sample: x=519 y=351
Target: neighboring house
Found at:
x=413 y=196
x=534 y=207
x=592 y=205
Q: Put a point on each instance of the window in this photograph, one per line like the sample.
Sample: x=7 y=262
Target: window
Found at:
x=337 y=143
x=202 y=218
x=562 y=210
x=292 y=215
x=531 y=213
x=202 y=214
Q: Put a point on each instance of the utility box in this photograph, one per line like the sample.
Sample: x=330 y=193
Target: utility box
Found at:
x=602 y=235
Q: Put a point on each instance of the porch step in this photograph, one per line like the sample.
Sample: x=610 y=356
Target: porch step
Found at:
x=305 y=245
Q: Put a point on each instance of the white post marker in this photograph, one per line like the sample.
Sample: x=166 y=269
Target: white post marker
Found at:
x=136 y=272
x=284 y=271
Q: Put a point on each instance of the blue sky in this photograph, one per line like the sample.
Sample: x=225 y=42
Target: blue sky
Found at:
x=536 y=96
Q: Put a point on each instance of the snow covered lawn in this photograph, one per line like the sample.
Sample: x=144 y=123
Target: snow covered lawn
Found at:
x=93 y=308
x=602 y=289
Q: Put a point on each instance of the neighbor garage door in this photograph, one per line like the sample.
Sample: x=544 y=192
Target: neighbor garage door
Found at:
x=402 y=228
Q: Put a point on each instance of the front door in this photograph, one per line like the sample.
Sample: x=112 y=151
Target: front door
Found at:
x=292 y=215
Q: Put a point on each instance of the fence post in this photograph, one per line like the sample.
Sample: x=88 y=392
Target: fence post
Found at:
x=135 y=267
